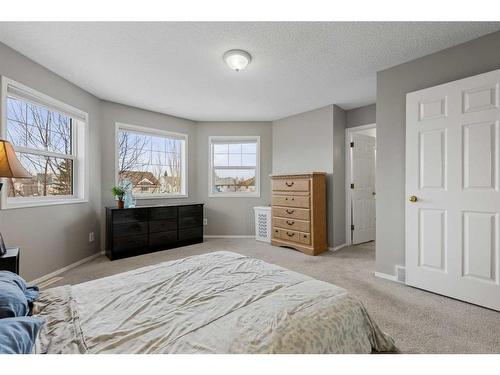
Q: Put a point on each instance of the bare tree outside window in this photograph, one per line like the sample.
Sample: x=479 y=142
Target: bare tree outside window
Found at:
x=151 y=163
x=43 y=142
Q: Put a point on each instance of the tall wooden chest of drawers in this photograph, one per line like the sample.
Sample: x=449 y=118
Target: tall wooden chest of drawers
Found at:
x=299 y=211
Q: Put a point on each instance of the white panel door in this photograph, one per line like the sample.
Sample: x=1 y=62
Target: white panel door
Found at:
x=363 y=188
x=452 y=187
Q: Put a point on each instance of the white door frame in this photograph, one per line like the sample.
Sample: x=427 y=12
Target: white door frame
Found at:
x=348 y=176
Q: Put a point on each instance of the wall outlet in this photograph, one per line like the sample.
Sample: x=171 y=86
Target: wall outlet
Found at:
x=205 y=221
x=91 y=237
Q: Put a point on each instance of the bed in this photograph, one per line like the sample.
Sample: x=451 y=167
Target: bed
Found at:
x=219 y=302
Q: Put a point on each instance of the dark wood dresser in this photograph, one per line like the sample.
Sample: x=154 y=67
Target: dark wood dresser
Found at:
x=144 y=229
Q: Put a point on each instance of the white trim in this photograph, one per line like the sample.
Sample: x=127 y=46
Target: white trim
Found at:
x=48 y=276
x=337 y=248
x=386 y=276
x=80 y=155
x=226 y=236
x=233 y=139
x=26 y=93
x=348 y=133
x=154 y=131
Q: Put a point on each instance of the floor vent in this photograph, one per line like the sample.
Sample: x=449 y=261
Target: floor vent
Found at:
x=401 y=274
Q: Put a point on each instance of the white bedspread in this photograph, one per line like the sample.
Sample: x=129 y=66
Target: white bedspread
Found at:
x=213 y=303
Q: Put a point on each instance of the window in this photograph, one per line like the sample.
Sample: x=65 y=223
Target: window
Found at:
x=234 y=167
x=152 y=161
x=48 y=137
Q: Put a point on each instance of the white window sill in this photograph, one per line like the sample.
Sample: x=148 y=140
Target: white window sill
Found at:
x=52 y=202
x=160 y=196
x=234 y=195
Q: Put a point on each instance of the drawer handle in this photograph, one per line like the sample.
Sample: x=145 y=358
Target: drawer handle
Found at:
x=289 y=184
x=305 y=235
x=275 y=231
x=290 y=234
x=290 y=198
x=289 y=212
x=290 y=222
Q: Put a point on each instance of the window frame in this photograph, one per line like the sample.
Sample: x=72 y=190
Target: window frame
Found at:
x=233 y=139
x=79 y=154
x=156 y=132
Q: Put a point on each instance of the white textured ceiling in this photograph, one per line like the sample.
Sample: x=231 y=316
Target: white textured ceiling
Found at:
x=177 y=68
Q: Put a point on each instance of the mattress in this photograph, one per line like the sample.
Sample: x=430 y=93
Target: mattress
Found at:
x=219 y=302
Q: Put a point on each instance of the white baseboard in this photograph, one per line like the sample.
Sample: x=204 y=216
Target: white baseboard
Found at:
x=337 y=248
x=225 y=236
x=387 y=277
x=64 y=269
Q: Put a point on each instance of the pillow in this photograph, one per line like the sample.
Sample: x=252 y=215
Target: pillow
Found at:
x=31 y=292
x=13 y=302
x=18 y=335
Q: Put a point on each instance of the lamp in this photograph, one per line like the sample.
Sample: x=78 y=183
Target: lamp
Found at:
x=9 y=167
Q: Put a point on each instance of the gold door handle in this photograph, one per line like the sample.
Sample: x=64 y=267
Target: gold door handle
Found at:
x=413 y=198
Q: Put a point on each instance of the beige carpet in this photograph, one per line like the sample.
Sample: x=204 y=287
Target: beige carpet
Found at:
x=419 y=321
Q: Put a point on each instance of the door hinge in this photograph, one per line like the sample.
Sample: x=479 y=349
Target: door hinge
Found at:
x=352 y=186
x=352 y=144
x=352 y=227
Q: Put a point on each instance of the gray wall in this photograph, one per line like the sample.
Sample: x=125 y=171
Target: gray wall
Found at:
x=232 y=216
x=111 y=113
x=361 y=116
x=471 y=58
x=306 y=142
x=55 y=236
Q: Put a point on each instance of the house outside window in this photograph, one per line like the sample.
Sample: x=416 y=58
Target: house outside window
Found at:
x=49 y=138
x=153 y=161
x=234 y=166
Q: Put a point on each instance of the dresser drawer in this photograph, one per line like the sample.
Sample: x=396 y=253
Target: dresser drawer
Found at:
x=292 y=236
x=128 y=243
x=162 y=238
x=292 y=224
x=190 y=234
x=130 y=215
x=291 y=201
x=190 y=216
x=163 y=225
x=163 y=213
x=290 y=185
x=291 y=213
x=129 y=229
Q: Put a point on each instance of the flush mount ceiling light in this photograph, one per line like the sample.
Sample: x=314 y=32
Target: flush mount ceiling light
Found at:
x=237 y=59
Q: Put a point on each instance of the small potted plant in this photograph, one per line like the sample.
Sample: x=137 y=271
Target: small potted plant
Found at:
x=119 y=192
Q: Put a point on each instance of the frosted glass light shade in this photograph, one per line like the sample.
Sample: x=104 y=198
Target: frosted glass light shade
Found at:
x=237 y=59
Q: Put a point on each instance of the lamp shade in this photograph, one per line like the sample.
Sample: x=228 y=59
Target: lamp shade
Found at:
x=9 y=164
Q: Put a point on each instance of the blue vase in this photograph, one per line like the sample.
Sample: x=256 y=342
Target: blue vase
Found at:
x=127 y=186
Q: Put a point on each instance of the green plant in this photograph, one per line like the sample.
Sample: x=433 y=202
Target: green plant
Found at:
x=118 y=192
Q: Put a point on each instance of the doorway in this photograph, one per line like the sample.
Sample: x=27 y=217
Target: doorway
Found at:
x=361 y=155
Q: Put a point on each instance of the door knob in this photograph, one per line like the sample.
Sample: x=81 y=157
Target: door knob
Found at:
x=413 y=198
